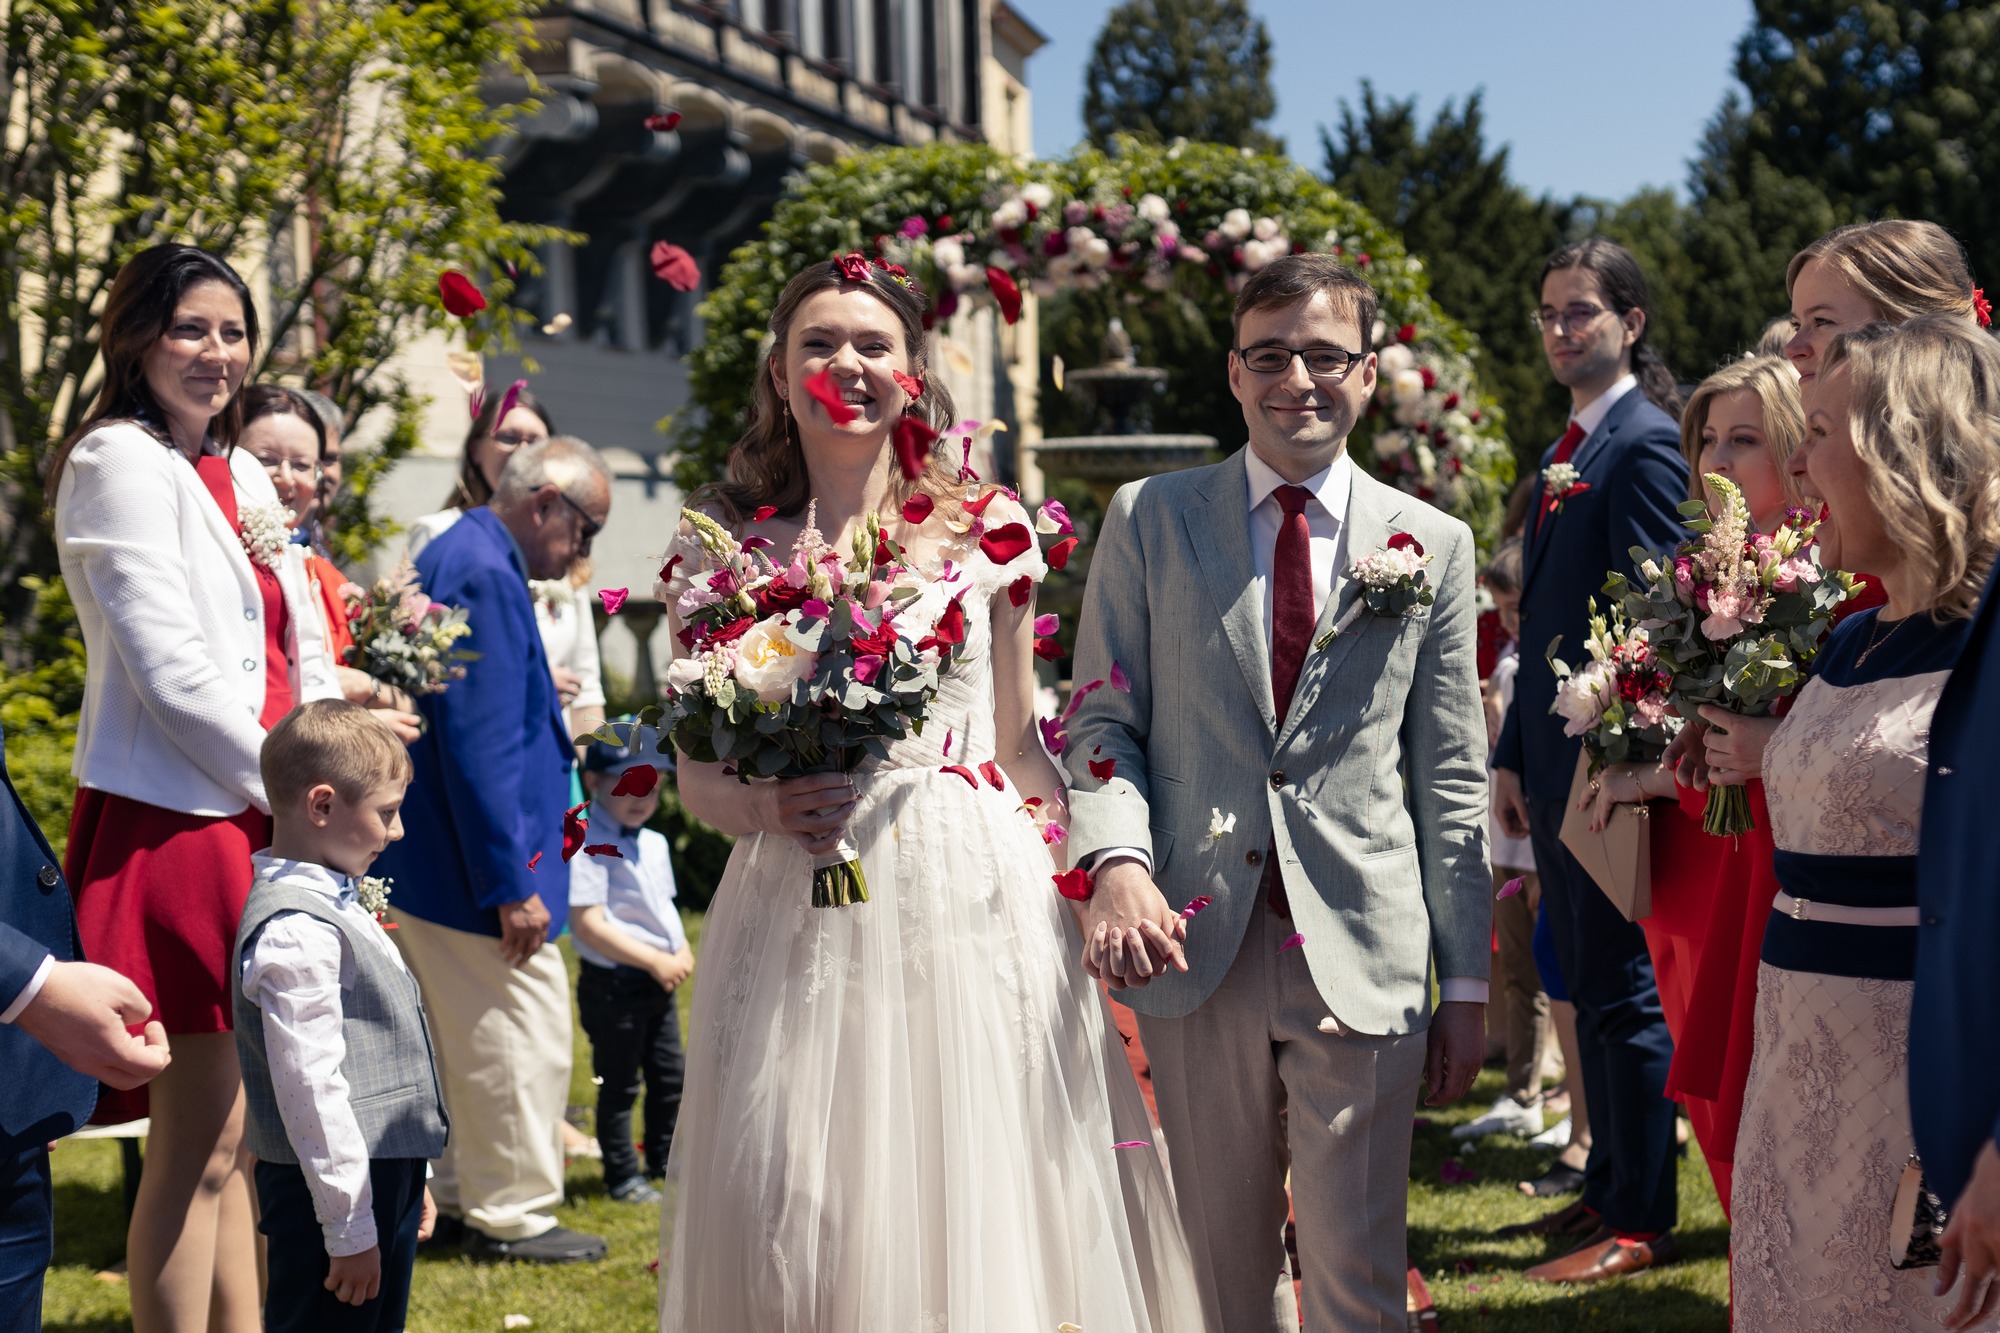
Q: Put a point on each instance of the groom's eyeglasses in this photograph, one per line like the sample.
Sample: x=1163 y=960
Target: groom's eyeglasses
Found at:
x=1322 y=363
x=591 y=527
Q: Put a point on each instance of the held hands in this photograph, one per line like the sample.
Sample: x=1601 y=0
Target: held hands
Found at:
x=1734 y=745
x=524 y=928
x=81 y=1014
x=1510 y=802
x=1971 y=1245
x=1454 y=1048
x=812 y=810
x=356 y=1278
x=1130 y=935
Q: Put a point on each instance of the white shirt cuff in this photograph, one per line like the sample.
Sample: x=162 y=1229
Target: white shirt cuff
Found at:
x=29 y=991
x=1462 y=990
x=1105 y=857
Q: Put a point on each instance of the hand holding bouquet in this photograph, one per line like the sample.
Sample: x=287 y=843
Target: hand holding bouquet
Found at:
x=806 y=667
x=403 y=638
x=1736 y=616
x=1617 y=700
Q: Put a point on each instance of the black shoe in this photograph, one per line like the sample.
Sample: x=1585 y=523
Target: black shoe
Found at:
x=1577 y=1219
x=1553 y=1183
x=447 y=1234
x=634 y=1189
x=557 y=1245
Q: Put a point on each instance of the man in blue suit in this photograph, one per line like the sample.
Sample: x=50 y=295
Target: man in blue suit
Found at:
x=481 y=887
x=1954 y=1044
x=62 y=1028
x=1613 y=482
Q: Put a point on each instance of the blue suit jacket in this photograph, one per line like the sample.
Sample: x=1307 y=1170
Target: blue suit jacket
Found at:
x=493 y=763
x=1632 y=463
x=41 y=1098
x=1954 y=1043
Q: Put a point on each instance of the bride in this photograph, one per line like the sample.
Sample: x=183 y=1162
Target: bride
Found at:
x=903 y=1114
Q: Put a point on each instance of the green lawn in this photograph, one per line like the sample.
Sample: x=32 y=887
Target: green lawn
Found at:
x=1476 y=1280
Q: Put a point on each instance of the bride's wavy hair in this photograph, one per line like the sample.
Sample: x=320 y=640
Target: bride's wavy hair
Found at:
x=766 y=465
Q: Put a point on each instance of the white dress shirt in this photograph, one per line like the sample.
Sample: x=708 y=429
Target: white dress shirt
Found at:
x=294 y=971
x=1326 y=523
x=1591 y=417
x=635 y=888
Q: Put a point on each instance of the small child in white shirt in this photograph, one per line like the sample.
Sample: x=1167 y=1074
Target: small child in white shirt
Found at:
x=634 y=956
x=343 y=1106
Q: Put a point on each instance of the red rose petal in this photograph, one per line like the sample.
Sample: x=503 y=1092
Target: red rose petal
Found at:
x=912 y=439
x=977 y=508
x=533 y=860
x=1403 y=539
x=965 y=773
x=638 y=780
x=460 y=297
x=667 y=570
x=1048 y=650
x=947 y=743
x=950 y=627
x=1059 y=553
x=1006 y=544
x=613 y=598
x=675 y=266
x=827 y=395
x=991 y=772
x=1103 y=769
x=573 y=827
x=1021 y=589
x=918 y=508
x=1074 y=884
x=604 y=849
x=660 y=122
x=763 y=512
x=1006 y=292
x=908 y=384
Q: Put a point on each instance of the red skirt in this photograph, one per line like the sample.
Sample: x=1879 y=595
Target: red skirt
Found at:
x=159 y=895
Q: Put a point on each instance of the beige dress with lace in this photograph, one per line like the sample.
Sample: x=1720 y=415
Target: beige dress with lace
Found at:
x=1826 y=1116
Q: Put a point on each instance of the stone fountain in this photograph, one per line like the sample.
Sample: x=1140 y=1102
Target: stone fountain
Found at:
x=1124 y=447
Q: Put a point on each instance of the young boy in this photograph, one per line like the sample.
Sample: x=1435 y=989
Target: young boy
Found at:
x=634 y=954
x=343 y=1107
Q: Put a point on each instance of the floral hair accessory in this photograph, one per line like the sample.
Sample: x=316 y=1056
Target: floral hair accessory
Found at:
x=853 y=266
x=895 y=273
x=1982 y=309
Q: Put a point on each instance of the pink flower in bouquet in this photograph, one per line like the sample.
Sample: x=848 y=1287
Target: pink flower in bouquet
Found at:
x=1790 y=572
x=1580 y=699
x=1729 y=610
x=1684 y=579
x=1651 y=709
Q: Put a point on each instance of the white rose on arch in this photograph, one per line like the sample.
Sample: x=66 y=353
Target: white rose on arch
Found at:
x=1265 y=229
x=1235 y=224
x=1038 y=194
x=948 y=253
x=1153 y=208
x=1407 y=386
x=1393 y=360
x=767 y=662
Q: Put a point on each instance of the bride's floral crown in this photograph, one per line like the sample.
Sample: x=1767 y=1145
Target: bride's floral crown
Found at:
x=854 y=266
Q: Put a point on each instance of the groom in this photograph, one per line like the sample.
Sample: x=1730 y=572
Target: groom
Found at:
x=1293 y=1028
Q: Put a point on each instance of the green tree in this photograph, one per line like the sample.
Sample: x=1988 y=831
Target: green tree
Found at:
x=332 y=149
x=1181 y=69
x=1481 y=237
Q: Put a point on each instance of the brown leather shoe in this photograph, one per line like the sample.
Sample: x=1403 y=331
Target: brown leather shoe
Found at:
x=1574 y=1220
x=1608 y=1258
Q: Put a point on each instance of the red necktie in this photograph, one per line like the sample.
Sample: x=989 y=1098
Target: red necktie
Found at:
x=1291 y=596
x=1565 y=450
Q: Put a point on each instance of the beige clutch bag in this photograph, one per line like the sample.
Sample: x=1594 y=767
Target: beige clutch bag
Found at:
x=1620 y=855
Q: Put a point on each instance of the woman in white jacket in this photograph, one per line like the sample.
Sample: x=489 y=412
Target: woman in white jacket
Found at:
x=198 y=636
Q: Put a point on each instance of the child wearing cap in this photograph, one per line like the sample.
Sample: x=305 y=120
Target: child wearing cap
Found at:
x=634 y=956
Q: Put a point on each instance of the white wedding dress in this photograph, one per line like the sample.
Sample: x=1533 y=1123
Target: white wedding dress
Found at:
x=900 y=1115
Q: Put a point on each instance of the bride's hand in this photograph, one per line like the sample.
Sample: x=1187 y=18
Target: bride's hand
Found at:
x=1130 y=934
x=812 y=811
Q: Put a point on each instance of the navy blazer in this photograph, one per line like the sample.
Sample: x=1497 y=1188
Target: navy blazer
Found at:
x=1954 y=1044
x=41 y=1098
x=493 y=765
x=1637 y=478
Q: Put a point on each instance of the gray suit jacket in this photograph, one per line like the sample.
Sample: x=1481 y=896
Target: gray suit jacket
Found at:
x=1372 y=787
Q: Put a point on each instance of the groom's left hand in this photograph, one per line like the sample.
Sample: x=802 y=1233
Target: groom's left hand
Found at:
x=1457 y=1047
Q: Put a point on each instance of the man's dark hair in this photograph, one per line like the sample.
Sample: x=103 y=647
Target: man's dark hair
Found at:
x=1624 y=285
x=1290 y=279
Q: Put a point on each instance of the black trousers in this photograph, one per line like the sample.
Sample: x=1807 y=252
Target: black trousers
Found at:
x=298 y=1301
x=1621 y=1033
x=635 y=1040
x=27 y=1238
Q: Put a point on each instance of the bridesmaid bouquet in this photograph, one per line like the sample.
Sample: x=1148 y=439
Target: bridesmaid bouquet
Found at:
x=403 y=638
x=1617 y=700
x=1736 y=616
x=805 y=667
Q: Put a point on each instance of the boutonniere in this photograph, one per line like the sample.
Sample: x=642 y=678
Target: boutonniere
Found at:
x=266 y=531
x=373 y=895
x=1393 y=583
x=1559 y=482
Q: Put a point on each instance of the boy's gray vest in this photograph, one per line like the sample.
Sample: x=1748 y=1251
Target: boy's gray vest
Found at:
x=391 y=1074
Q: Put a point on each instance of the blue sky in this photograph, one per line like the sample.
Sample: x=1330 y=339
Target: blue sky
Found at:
x=1596 y=97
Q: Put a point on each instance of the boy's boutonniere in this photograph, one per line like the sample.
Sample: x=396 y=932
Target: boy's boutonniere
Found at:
x=373 y=894
x=266 y=532
x=1559 y=482
x=1393 y=583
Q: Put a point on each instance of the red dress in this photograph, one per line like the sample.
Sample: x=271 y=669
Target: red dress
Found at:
x=159 y=893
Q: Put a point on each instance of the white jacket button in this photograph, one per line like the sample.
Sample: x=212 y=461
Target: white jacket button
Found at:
x=249 y=613
x=249 y=664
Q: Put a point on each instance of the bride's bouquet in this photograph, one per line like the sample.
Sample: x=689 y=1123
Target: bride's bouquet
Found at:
x=1736 y=616
x=1617 y=700
x=808 y=666
x=403 y=638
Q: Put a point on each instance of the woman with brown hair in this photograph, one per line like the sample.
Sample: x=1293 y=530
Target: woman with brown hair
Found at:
x=929 y=1143
x=198 y=637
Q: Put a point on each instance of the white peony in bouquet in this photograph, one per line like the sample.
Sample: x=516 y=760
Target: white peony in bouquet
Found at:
x=808 y=666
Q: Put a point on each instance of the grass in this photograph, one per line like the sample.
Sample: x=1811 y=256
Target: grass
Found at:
x=1475 y=1279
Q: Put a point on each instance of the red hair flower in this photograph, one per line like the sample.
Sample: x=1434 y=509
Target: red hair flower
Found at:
x=461 y=298
x=1982 y=309
x=853 y=266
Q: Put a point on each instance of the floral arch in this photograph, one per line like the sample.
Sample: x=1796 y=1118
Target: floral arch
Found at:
x=1184 y=223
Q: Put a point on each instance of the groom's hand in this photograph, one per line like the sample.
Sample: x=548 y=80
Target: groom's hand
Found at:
x=1510 y=802
x=1457 y=1045
x=1130 y=935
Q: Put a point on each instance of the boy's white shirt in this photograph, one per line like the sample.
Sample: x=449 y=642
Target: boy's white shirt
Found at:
x=642 y=877
x=294 y=971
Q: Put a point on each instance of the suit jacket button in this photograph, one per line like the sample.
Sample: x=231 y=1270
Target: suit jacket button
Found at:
x=1253 y=858
x=47 y=876
x=1277 y=779
x=249 y=664
x=249 y=613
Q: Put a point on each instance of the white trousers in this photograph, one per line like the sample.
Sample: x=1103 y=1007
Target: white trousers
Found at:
x=502 y=1038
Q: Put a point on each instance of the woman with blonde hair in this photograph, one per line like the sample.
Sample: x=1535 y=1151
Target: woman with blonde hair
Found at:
x=1870 y=272
x=1903 y=445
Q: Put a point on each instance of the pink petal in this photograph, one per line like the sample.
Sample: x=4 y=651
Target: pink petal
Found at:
x=816 y=608
x=1047 y=624
x=763 y=512
x=1512 y=887
x=757 y=543
x=947 y=743
x=1054 y=733
x=1292 y=941
x=1053 y=833
x=991 y=772
x=613 y=598
x=533 y=859
x=1119 y=680
x=965 y=773
x=1196 y=906
x=1078 y=695
x=1132 y=1143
